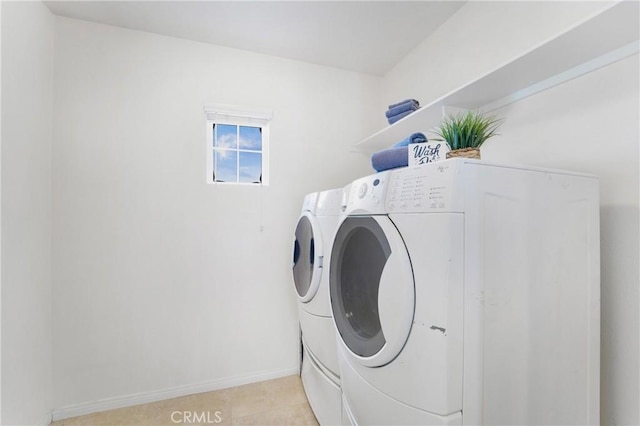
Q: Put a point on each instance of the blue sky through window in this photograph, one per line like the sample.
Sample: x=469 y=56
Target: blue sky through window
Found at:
x=250 y=138
x=250 y=167
x=226 y=164
x=226 y=136
x=237 y=153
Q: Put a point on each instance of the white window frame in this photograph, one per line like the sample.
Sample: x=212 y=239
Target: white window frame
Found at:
x=238 y=116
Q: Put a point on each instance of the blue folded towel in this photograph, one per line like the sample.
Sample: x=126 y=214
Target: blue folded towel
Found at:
x=397 y=117
x=404 y=102
x=409 y=106
x=414 y=138
x=390 y=158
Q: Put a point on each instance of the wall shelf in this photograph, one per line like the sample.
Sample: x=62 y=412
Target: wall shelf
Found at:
x=605 y=38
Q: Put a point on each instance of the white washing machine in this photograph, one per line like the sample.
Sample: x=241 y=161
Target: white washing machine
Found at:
x=466 y=292
x=312 y=250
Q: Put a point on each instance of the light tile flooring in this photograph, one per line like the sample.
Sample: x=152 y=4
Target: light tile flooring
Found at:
x=273 y=402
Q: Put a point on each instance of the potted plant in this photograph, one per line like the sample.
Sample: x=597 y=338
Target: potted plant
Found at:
x=465 y=132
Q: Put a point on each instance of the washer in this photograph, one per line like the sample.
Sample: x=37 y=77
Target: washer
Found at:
x=312 y=250
x=467 y=292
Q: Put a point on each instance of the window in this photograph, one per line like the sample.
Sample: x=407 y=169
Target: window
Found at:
x=237 y=145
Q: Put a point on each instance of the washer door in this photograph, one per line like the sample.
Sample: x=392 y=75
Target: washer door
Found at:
x=307 y=257
x=372 y=289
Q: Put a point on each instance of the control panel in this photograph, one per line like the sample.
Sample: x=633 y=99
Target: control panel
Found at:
x=309 y=202
x=429 y=188
x=367 y=194
x=328 y=203
x=433 y=187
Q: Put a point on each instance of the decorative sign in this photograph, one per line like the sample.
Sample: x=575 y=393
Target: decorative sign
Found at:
x=427 y=152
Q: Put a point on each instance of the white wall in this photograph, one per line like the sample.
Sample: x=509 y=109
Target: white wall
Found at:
x=27 y=90
x=160 y=280
x=479 y=37
x=589 y=124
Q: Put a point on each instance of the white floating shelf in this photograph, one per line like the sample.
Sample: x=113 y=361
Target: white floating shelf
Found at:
x=605 y=38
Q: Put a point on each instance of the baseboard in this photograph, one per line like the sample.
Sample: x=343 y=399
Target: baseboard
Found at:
x=153 y=396
x=46 y=419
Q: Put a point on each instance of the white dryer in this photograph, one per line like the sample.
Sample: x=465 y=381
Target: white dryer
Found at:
x=312 y=250
x=466 y=292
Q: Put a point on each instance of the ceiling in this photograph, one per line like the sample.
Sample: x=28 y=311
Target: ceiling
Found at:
x=363 y=36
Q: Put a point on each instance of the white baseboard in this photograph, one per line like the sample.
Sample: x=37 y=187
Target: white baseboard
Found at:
x=153 y=396
x=46 y=420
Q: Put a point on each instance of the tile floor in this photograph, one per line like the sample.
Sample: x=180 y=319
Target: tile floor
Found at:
x=273 y=402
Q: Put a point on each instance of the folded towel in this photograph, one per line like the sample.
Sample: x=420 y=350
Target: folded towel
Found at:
x=397 y=117
x=414 y=138
x=409 y=106
x=390 y=158
x=404 y=102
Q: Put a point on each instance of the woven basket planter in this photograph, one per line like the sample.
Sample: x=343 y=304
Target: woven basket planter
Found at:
x=465 y=153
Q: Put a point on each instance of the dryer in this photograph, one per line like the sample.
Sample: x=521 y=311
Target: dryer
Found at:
x=312 y=250
x=467 y=292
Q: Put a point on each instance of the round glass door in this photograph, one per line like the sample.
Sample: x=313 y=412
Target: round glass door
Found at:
x=307 y=248
x=368 y=260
